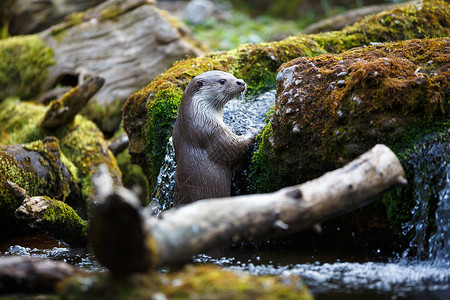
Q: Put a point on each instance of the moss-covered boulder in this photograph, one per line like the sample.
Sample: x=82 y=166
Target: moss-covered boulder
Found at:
x=332 y=108
x=81 y=142
x=149 y=114
x=23 y=66
x=41 y=169
x=192 y=282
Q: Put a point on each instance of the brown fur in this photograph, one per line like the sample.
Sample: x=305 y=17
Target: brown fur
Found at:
x=206 y=150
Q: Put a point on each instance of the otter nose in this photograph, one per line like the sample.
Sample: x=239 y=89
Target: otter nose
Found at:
x=240 y=82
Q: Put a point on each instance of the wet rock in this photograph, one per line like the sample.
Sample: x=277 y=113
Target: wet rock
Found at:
x=389 y=103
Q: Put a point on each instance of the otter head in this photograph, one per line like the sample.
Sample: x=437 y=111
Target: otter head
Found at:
x=213 y=89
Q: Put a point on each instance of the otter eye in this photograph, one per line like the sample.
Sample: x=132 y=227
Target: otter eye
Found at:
x=222 y=81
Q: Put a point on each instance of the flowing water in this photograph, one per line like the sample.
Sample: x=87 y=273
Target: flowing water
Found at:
x=421 y=272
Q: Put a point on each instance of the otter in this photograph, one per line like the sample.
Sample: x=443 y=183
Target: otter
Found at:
x=207 y=152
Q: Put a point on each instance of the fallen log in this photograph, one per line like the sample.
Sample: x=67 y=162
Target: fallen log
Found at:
x=64 y=110
x=125 y=241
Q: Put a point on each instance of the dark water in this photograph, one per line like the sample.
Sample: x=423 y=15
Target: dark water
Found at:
x=329 y=274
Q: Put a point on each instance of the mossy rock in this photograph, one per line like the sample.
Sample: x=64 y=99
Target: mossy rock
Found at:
x=41 y=169
x=332 y=108
x=192 y=282
x=149 y=114
x=81 y=142
x=23 y=66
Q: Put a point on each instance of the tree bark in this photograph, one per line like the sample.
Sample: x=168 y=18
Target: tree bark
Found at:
x=213 y=223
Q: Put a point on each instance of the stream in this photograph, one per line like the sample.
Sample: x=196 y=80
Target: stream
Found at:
x=421 y=272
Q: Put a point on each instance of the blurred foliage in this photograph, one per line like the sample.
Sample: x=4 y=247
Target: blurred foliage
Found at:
x=242 y=29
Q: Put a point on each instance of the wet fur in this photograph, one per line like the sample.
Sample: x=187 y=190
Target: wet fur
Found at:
x=206 y=150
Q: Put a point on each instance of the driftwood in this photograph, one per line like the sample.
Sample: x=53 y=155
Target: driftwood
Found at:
x=29 y=274
x=125 y=241
x=63 y=110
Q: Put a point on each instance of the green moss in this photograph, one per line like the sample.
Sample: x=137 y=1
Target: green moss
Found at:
x=23 y=66
x=81 y=142
x=61 y=221
x=45 y=176
x=198 y=282
x=263 y=169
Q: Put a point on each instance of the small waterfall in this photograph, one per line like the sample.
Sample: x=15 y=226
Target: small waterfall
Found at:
x=430 y=221
x=240 y=115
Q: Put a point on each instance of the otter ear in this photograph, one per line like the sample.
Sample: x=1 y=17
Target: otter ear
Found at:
x=199 y=83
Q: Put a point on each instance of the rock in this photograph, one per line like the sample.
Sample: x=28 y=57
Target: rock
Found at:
x=198 y=11
x=126 y=42
x=36 y=15
x=32 y=275
x=41 y=169
x=393 y=93
x=82 y=146
x=385 y=91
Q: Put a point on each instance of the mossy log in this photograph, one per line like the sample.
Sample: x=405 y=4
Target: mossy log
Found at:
x=124 y=242
x=62 y=111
